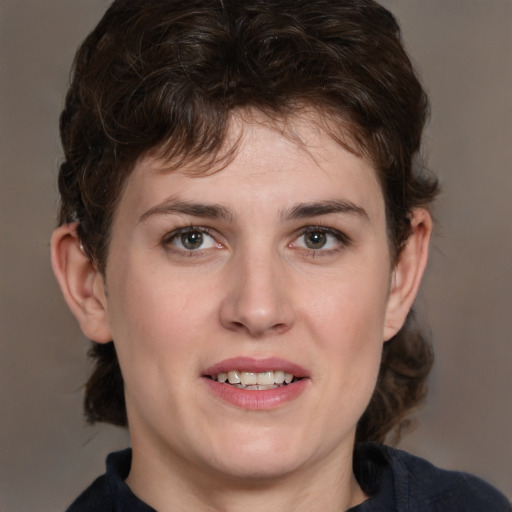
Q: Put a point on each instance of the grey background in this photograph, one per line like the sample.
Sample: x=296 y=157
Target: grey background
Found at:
x=463 y=51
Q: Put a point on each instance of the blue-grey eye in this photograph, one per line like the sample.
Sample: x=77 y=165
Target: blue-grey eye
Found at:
x=319 y=239
x=315 y=239
x=192 y=239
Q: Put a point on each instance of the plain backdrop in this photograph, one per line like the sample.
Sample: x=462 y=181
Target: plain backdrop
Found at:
x=462 y=49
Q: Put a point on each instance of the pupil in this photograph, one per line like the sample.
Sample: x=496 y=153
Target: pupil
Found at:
x=315 y=240
x=192 y=240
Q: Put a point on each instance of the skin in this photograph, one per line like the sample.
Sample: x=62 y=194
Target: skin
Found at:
x=256 y=287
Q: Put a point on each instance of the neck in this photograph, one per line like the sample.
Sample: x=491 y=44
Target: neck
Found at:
x=328 y=485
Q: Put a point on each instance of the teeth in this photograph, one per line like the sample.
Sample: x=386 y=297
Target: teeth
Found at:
x=256 y=387
x=251 y=380
x=265 y=379
x=234 y=377
x=279 y=377
x=248 y=379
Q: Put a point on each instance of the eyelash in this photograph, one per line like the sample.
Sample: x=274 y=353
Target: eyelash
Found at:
x=168 y=240
x=342 y=239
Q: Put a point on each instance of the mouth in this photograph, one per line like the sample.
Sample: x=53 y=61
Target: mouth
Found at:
x=255 y=381
x=257 y=384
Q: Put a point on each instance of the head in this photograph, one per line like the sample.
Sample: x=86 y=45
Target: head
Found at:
x=171 y=81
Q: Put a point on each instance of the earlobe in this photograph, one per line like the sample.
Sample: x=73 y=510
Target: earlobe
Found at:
x=81 y=283
x=408 y=272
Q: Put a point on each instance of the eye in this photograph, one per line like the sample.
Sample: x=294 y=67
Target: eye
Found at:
x=317 y=238
x=191 y=239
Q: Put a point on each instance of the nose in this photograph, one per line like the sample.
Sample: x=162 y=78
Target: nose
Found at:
x=258 y=301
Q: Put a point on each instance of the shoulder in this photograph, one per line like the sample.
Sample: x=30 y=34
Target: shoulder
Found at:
x=422 y=486
x=96 y=497
x=108 y=492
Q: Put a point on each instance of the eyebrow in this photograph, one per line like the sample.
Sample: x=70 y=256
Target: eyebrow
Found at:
x=172 y=207
x=303 y=210
x=216 y=211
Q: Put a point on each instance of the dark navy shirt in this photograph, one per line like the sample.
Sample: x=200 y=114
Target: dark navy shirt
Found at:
x=395 y=481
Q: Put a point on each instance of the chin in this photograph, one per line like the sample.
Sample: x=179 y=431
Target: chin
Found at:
x=261 y=469
x=267 y=457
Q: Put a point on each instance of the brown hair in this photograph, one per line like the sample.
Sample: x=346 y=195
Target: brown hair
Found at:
x=164 y=76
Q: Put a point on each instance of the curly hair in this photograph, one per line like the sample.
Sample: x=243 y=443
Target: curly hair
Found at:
x=164 y=76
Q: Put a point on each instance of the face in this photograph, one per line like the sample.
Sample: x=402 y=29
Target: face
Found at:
x=220 y=287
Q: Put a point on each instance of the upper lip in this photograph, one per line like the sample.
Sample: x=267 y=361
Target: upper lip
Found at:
x=248 y=364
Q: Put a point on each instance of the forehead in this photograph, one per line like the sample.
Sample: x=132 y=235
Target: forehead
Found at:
x=264 y=164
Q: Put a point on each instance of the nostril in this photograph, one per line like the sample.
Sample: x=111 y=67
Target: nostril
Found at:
x=258 y=331
x=279 y=328
x=256 y=314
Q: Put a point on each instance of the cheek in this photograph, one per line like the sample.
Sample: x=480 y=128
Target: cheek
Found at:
x=160 y=321
x=145 y=298
x=351 y=306
x=144 y=316
x=349 y=321
x=153 y=332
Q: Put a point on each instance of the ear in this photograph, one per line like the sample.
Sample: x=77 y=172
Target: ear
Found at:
x=406 y=277
x=81 y=283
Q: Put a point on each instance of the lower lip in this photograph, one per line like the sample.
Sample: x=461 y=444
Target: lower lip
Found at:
x=253 y=399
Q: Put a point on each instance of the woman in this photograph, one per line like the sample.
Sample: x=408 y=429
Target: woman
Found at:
x=243 y=230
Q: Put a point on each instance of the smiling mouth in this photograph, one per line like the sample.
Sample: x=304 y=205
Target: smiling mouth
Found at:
x=255 y=381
